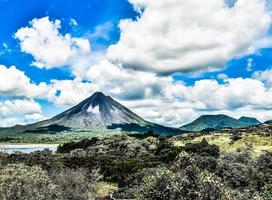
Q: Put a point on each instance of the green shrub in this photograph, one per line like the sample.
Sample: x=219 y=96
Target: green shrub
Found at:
x=26 y=183
x=237 y=175
x=203 y=148
x=76 y=184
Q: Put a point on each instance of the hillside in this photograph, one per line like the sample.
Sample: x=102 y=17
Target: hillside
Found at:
x=249 y=120
x=217 y=122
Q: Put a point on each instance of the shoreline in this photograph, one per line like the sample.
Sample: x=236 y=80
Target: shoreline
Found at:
x=28 y=144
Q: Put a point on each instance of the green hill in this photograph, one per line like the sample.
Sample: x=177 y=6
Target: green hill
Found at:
x=217 y=122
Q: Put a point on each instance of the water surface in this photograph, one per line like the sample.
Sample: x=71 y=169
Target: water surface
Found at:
x=26 y=148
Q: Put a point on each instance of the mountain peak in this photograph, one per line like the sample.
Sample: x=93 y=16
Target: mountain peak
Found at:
x=97 y=95
x=97 y=110
x=249 y=120
x=213 y=116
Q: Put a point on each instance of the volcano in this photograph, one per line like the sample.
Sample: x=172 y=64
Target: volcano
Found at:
x=97 y=110
x=97 y=113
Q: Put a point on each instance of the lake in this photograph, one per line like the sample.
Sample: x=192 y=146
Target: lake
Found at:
x=26 y=148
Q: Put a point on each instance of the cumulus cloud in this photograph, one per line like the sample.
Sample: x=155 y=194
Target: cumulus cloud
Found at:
x=156 y=98
x=19 y=106
x=168 y=37
x=48 y=46
x=10 y=121
x=265 y=76
x=159 y=99
x=166 y=101
x=14 y=82
x=19 y=111
x=233 y=94
x=127 y=84
x=235 y=97
x=34 y=117
x=71 y=92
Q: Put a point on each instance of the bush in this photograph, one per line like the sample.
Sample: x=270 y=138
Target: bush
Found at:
x=235 y=136
x=76 y=184
x=161 y=183
x=210 y=186
x=166 y=151
x=153 y=183
x=203 y=148
x=206 y=163
x=237 y=175
x=83 y=144
x=26 y=183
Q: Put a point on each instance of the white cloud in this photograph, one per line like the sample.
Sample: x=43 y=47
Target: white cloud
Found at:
x=168 y=37
x=169 y=112
x=101 y=31
x=265 y=76
x=233 y=94
x=18 y=106
x=162 y=100
x=14 y=82
x=127 y=84
x=19 y=111
x=48 y=46
x=11 y=121
x=222 y=76
x=73 y=22
x=71 y=91
x=157 y=98
x=34 y=117
x=249 y=64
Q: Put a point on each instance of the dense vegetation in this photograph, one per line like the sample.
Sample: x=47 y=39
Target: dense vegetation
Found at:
x=139 y=167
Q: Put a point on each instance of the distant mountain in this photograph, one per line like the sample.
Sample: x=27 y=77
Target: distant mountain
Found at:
x=217 y=122
x=261 y=129
x=250 y=121
x=97 y=113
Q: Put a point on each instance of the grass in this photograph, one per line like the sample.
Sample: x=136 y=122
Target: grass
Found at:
x=59 y=138
x=104 y=189
x=259 y=143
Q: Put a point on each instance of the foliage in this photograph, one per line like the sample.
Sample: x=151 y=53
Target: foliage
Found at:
x=83 y=144
x=203 y=148
x=143 y=167
x=26 y=183
x=235 y=136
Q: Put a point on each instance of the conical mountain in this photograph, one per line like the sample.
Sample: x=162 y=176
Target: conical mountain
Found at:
x=98 y=112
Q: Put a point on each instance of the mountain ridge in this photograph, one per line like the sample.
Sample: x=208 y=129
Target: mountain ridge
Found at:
x=217 y=122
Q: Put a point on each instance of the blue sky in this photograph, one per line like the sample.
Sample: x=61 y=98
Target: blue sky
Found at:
x=145 y=55
x=88 y=13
